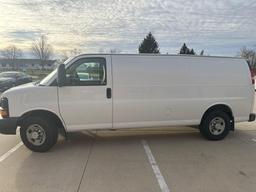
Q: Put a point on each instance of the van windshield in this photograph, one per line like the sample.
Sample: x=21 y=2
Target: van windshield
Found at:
x=45 y=80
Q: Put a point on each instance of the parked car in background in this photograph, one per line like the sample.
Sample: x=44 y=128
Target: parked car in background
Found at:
x=13 y=78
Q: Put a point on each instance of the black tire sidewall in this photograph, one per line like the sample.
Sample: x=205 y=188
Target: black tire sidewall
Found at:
x=204 y=127
x=50 y=131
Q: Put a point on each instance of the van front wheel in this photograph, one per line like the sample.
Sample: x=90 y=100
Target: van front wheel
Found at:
x=38 y=134
x=215 y=125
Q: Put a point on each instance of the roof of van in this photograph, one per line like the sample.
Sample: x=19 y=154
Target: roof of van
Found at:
x=150 y=54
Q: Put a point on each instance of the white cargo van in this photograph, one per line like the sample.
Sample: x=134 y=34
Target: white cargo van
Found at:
x=130 y=91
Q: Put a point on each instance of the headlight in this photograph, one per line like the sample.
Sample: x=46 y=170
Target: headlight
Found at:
x=4 y=107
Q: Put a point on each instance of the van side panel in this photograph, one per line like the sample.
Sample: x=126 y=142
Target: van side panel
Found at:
x=177 y=90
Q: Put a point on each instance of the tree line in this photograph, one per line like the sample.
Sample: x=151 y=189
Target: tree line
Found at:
x=40 y=48
x=43 y=51
x=150 y=45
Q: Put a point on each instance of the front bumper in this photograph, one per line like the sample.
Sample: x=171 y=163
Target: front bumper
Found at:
x=252 y=117
x=8 y=125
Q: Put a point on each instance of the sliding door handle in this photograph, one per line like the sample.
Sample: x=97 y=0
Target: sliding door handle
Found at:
x=109 y=93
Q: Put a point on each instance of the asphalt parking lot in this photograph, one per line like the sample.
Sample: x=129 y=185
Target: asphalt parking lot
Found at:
x=167 y=159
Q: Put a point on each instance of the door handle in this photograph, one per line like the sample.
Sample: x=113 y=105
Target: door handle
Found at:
x=109 y=93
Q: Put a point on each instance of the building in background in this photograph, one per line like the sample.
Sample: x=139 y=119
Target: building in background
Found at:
x=24 y=64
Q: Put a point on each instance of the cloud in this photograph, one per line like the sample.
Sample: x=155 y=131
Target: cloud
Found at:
x=220 y=26
x=24 y=35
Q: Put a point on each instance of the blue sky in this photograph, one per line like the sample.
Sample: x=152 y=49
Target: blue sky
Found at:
x=220 y=27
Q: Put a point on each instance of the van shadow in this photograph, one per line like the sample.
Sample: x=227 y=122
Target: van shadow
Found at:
x=60 y=169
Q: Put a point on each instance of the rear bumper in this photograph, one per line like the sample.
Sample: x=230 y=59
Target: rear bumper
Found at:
x=8 y=125
x=252 y=117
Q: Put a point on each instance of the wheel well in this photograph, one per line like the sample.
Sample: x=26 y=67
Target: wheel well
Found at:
x=221 y=107
x=44 y=113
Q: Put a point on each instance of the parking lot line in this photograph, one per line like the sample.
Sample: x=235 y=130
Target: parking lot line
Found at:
x=254 y=139
x=8 y=153
x=160 y=179
x=85 y=165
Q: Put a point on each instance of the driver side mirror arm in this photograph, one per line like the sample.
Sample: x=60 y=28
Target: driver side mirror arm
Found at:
x=61 y=75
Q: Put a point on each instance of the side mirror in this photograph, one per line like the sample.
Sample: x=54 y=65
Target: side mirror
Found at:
x=61 y=80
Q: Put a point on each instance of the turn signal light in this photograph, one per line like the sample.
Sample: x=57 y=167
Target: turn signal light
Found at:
x=4 y=113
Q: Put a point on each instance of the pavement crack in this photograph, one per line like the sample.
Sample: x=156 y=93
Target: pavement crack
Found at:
x=85 y=166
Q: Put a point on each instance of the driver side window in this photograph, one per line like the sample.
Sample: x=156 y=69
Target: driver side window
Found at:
x=87 y=72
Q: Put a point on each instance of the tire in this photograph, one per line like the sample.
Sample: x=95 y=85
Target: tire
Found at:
x=215 y=125
x=38 y=134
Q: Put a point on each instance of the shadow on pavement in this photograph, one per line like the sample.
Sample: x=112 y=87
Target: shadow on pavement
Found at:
x=60 y=169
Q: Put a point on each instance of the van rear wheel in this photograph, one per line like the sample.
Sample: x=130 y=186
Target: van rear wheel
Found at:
x=38 y=134
x=215 y=125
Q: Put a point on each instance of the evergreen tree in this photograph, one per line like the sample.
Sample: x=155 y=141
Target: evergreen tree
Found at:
x=192 y=52
x=184 y=49
x=149 y=45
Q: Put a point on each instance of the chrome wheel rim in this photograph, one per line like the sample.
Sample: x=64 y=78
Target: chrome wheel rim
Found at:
x=217 y=126
x=36 y=134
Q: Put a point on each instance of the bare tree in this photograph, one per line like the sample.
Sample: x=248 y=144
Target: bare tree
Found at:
x=71 y=53
x=101 y=50
x=42 y=50
x=12 y=53
x=75 y=52
x=63 y=56
x=114 y=51
x=250 y=55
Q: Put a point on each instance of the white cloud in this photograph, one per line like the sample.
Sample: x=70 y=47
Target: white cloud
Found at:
x=220 y=26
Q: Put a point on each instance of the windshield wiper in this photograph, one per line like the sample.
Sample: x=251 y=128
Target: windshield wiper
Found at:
x=38 y=83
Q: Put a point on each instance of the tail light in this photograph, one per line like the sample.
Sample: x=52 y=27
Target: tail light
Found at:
x=252 y=77
x=252 y=73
